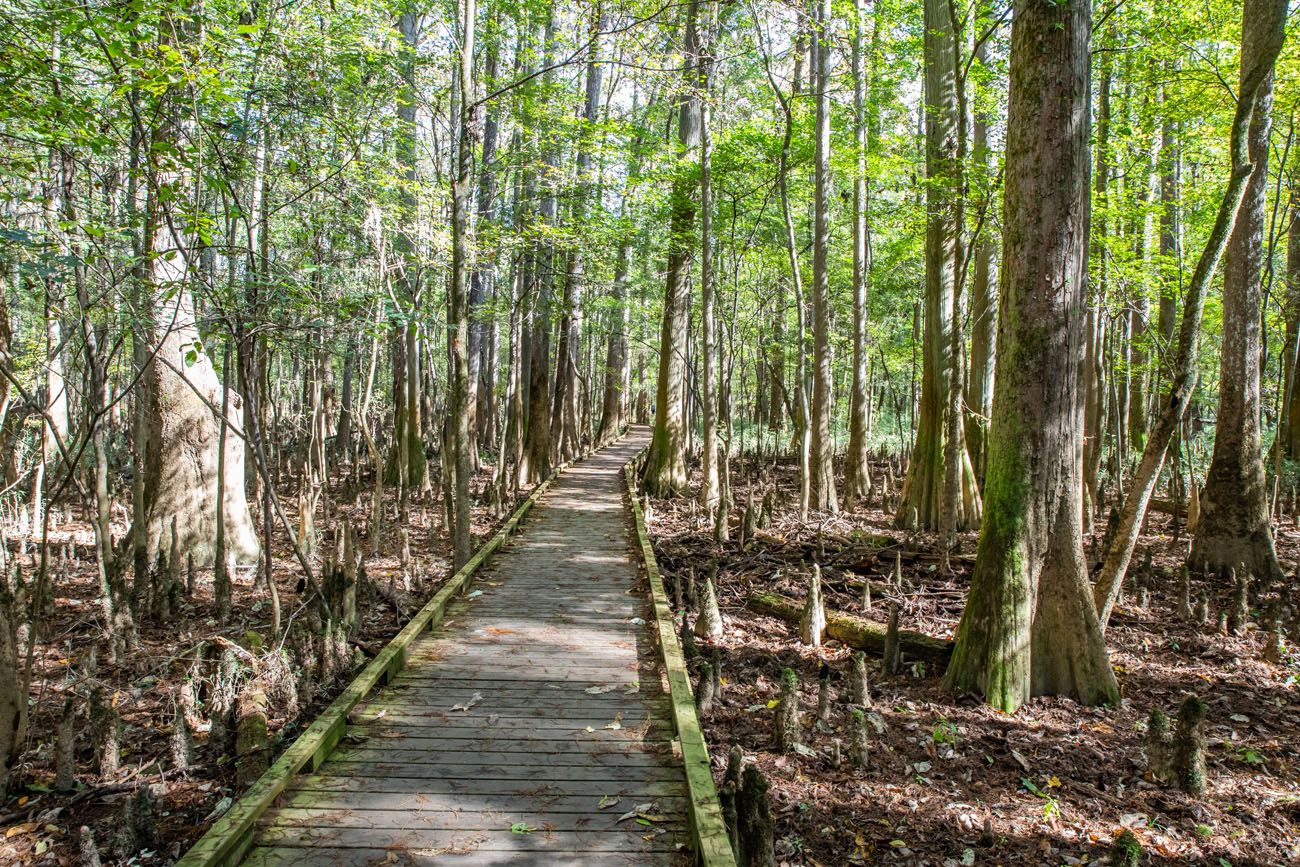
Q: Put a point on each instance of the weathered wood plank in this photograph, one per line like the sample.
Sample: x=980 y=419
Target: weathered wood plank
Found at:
x=489 y=770
x=589 y=803
x=270 y=856
x=467 y=816
x=541 y=840
x=531 y=758
x=713 y=845
x=226 y=841
x=475 y=787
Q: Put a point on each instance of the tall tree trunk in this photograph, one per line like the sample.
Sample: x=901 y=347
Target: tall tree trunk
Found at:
x=183 y=389
x=984 y=303
x=923 y=492
x=1289 y=438
x=857 y=475
x=1262 y=36
x=462 y=263
x=665 y=471
x=1234 y=528
x=822 y=446
x=1029 y=627
x=1095 y=373
x=537 y=436
x=710 y=490
x=482 y=407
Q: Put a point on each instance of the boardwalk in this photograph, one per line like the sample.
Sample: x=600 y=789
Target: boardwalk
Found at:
x=525 y=728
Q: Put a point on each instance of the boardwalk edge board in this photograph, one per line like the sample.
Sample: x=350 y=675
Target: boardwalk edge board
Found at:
x=709 y=831
x=231 y=836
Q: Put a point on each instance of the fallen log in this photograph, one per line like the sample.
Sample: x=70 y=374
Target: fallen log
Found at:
x=854 y=631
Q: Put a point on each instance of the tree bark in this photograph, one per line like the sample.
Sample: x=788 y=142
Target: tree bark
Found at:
x=665 y=471
x=1262 y=36
x=857 y=475
x=1234 y=527
x=182 y=388
x=922 y=501
x=822 y=446
x=1029 y=627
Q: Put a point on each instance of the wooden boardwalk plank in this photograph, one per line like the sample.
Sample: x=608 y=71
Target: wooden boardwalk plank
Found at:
x=552 y=661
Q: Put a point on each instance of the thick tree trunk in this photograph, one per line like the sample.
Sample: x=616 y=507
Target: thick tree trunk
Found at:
x=1262 y=36
x=1234 y=527
x=665 y=471
x=184 y=394
x=614 y=397
x=1029 y=627
x=541 y=259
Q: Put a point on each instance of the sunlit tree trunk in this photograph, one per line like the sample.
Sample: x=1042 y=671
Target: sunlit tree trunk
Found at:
x=857 y=476
x=462 y=263
x=1029 y=627
x=1234 y=530
x=984 y=302
x=822 y=446
x=541 y=260
x=710 y=485
x=923 y=492
x=1262 y=36
x=665 y=471
x=482 y=380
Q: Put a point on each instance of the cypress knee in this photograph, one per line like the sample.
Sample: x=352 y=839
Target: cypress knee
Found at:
x=789 y=733
x=755 y=822
x=1188 y=753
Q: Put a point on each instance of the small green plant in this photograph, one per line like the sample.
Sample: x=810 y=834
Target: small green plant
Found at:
x=945 y=732
x=1051 y=807
x=1251 y=757
x=1204 y=831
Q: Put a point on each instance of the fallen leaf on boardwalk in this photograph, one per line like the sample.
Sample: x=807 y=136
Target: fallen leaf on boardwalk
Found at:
x=522 y=828
x=608 y=801
x=473 y=700
x=475 y=594
x=637 y=621
x=601 y=690
x=632 y=688
x=590 y=729
x=617 y=723
x=637 y=812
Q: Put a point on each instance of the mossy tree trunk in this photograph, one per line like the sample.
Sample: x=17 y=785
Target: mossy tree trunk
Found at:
x=1029 y=627
x=1233 y=531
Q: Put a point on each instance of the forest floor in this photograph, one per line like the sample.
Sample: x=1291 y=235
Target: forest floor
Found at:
x=41 y=826
x=1056 y=781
